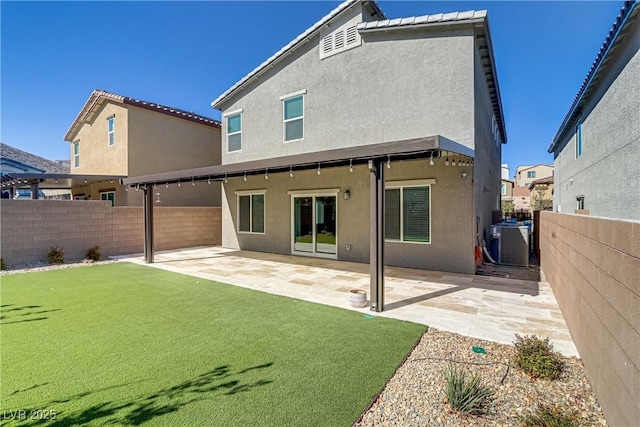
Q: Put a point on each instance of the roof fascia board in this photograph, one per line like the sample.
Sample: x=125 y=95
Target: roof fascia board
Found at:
x=425 y=25
x=601 y=58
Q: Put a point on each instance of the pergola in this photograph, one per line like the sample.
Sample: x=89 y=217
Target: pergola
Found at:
x=51 y=181
x=375 y=156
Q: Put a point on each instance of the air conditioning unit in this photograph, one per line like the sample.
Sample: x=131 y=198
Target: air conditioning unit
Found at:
x=514 y=245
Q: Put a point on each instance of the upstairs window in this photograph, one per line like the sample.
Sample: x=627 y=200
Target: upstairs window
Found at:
x=579 y=140
x=76 y=154
x=531 y=174
x=234 y=132
x=293 y=113
x=111 y=128
x=503 y=189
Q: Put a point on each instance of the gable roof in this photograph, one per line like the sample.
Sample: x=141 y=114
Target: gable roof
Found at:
x=542 y=181
x=471 y=16
x=98 y=97
x=628 y=14
x=483 y=39
x=310 y=32
x=32 y=160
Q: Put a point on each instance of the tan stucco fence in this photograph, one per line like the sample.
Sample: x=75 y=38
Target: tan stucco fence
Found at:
x=30 y=227
x=593 y=266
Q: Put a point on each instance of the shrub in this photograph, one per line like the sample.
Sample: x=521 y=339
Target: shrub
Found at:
x=3 y=266
x=55 y=255
x=468 y=396
x=93 y=253
x=536 y=357
x=549 y=416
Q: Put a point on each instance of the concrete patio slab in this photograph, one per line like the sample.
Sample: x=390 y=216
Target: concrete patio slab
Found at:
x=489 y=308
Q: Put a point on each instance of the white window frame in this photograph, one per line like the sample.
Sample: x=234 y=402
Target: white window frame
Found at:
x=579 y=145
x=226 y=117
x=503 y=189
x=250 y=193
x=76 y=156
x=111 y=133
x=411 y=184
x=106 y=192
x=284 y=99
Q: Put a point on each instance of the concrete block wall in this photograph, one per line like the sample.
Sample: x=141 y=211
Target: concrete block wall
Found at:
x=29 y=228
x=593 y=266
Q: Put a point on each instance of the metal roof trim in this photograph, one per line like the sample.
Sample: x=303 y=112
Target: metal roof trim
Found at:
x=612 y=37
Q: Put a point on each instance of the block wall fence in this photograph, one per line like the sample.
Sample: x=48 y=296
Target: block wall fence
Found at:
x=593 y=266
x=30 y=227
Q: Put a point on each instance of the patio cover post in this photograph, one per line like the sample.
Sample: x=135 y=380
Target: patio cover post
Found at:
x=148 y=223
x=376 y=234
x=35 y=188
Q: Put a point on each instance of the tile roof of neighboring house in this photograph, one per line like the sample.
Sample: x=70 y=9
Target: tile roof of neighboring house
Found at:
x=298 y=40
x=521 y=192
x=542 y=181
x=628 y=14
x=37 y=162
x=99 y=96
x=388 y=24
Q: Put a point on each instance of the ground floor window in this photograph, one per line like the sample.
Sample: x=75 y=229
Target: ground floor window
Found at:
x=580 y=202
x=251 y=213
x=109 y=196
x=408 y=213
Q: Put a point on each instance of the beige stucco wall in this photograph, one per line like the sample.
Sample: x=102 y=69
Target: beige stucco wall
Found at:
x=147 y=142
x=542 y=171
x=452 y=227
x=96 y=156
x=593 y=266
x=30 y=227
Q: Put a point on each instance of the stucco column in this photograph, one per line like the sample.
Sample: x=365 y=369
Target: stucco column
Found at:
x=376 y=234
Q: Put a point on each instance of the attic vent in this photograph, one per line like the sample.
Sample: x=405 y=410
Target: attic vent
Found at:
x=351 y=35
x=327 y=44
x=339 y=39
x=343 y=38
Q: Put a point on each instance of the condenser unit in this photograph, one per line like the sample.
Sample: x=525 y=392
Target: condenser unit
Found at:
x=514 y=245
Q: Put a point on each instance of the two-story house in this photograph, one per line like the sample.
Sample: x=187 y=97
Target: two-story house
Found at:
x=123 y=136
x=420 y=93
x=526 y=174
x=596 y=150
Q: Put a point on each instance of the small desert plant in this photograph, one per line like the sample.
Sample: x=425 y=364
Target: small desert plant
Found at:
x=466 y=395
x=55 y=255
x=3 y=266
x=93 y=253
x=549 y=416
x=535 y=356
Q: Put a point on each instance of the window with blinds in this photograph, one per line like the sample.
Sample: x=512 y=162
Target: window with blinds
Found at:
x=408 y=214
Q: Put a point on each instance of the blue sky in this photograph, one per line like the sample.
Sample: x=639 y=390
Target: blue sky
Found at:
x=185 y=54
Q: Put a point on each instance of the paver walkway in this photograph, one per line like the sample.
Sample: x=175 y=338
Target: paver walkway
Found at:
x=490 y=308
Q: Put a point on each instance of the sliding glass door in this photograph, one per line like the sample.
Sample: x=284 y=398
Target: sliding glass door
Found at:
x=314 y=227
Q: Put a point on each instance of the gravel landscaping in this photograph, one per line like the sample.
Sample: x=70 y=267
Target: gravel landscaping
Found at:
x=414 y=397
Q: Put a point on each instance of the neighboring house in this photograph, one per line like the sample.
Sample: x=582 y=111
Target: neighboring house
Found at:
x=14 y=160
x=118 y=135
x=597 y=147
x=506 y=190
x=541 y=194
x=522 y=199
x=525 y=175
x=420 y=92
x=505 y=171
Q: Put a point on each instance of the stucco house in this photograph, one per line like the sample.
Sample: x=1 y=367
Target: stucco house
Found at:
x=542 y=194
x=597 y=147
x=526 y=174
x=115 y=135
x=419 y=93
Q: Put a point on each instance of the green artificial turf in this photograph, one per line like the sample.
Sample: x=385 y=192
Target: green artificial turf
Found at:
x=122 y=344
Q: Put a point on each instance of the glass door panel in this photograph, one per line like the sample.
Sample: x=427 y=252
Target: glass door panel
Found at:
x=325 y=230
x=303 y=224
